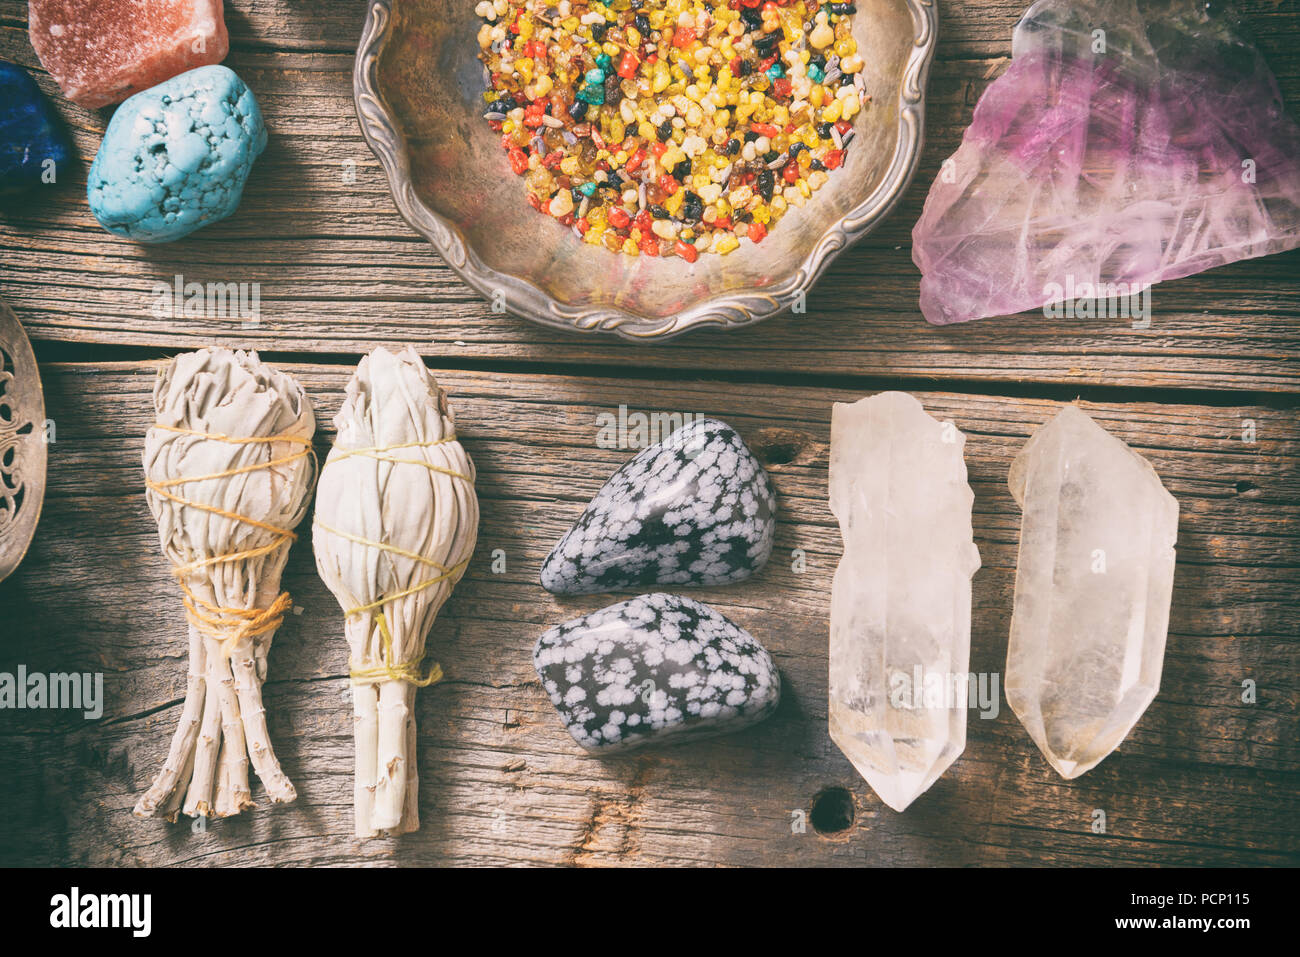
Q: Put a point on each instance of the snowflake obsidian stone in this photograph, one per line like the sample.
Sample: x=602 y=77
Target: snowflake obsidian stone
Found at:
x=695 y=509
x=653 y=669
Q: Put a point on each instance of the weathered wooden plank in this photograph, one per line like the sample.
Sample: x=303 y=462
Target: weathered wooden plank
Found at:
x=1203 y=779
x=320 y=245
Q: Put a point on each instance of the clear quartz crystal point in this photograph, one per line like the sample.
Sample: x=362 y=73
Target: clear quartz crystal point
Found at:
x=1093 y=585
x=901 y=600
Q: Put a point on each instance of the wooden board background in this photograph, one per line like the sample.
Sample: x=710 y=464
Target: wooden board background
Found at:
x=321 y=247
x=1203 y=779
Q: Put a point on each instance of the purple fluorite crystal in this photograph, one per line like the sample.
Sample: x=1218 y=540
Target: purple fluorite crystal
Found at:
x=1129 y=142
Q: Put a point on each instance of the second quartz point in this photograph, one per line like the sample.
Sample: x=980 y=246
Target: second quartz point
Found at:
x=901 y=601
x=1093 y=587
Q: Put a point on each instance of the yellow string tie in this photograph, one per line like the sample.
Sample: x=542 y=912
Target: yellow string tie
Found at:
x=380 y=454
x=387 y=671
x=409 y=672
x=227 y=624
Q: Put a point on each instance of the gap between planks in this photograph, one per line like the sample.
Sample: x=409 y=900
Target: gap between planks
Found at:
x=69 y=357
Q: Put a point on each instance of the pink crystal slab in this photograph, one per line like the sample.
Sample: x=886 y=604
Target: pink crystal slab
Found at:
x=1129 y=142
x=102 y=51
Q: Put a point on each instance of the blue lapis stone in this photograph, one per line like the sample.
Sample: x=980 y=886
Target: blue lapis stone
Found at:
x=34 y=147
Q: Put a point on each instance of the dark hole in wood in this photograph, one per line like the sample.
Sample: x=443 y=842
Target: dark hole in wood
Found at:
x=775 y=446
x=832 y=811
x=1244 y=486
x=777 y=453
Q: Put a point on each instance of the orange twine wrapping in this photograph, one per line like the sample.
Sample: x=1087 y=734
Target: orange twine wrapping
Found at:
x=232 y=625
x=409 y=672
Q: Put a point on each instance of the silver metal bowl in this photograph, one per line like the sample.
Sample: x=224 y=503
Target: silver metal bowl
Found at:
x=419 y=85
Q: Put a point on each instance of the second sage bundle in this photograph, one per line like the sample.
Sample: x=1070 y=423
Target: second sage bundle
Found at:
x=396 y=522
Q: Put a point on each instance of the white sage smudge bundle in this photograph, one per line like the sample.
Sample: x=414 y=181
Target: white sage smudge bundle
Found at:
x=396 y=522
x=229 y=470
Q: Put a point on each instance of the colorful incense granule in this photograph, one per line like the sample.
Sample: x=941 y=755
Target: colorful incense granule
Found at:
x=671 y=127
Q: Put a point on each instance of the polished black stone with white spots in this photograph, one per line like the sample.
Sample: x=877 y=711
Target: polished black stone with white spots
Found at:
x=695 y=509
x=657 y=668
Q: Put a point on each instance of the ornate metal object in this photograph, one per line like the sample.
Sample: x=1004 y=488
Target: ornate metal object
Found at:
x=22 y=443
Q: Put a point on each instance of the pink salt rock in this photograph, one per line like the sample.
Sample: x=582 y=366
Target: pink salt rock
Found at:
x=1128 y=143
x=102 y=51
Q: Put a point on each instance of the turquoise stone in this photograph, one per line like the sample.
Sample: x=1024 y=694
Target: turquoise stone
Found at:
x=176 y=156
